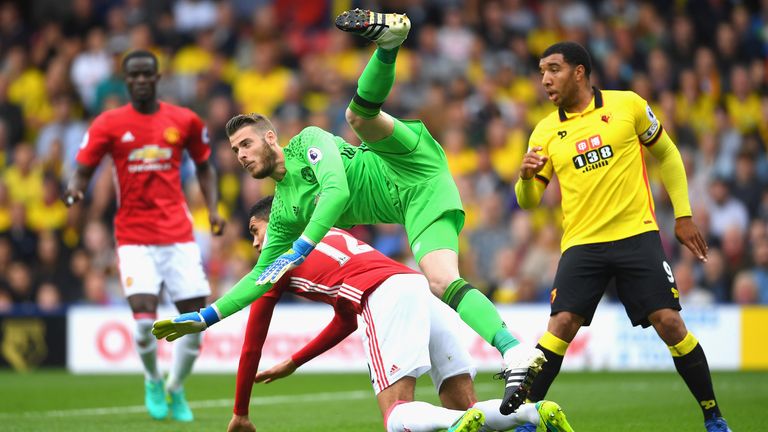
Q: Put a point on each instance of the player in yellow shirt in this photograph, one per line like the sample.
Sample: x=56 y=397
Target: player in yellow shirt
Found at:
x=594 y=144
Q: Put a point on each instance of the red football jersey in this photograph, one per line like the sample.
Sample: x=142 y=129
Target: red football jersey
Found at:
x=341 y=272
x=147 y=152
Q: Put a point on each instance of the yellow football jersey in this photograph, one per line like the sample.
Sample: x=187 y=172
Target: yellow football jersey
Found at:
x=597 y=155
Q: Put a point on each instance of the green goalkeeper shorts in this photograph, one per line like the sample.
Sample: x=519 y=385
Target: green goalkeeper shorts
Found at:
x=419 y=169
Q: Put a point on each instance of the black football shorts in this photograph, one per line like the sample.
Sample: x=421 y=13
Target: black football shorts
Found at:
x=644 y=279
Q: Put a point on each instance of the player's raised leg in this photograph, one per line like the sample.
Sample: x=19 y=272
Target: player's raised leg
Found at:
x=388 y=31
x=436 y=245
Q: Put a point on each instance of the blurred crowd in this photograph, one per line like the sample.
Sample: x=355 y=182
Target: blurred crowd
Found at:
x=469 y=70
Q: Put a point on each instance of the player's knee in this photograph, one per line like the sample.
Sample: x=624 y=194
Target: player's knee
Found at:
x=353 y=119
x=193 y=342
x=565 y=325
x=143 y=335
x=668 y=324
x=438 y=285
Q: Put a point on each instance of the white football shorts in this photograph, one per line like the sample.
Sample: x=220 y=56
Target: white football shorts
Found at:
x=407 y=331
x=144 y=269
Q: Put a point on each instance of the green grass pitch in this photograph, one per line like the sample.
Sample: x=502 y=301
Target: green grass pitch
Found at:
x=595 y=401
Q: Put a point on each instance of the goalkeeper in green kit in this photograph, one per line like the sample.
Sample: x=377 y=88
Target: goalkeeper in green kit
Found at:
x=398 y=175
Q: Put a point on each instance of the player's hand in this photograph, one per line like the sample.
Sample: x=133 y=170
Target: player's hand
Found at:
x=217 y=223
x=276 y=372
x=688 y=234
x=287 y=261
x=533 y=162
x=240 y=424
x=172 y=329
x=71 y=197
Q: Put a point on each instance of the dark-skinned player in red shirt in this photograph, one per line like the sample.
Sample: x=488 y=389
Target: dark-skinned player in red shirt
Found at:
x=153 y=226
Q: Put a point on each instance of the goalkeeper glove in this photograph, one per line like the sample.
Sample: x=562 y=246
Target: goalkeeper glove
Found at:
x=287 y=261
x=186 y=323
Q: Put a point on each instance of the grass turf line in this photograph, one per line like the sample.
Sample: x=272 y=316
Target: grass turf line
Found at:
x=593 y=401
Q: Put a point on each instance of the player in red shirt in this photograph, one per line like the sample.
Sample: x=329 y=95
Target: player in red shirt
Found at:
x=153 y=226
x=407 y=333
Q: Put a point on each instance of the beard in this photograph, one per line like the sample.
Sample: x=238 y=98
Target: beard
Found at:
x=268 y=158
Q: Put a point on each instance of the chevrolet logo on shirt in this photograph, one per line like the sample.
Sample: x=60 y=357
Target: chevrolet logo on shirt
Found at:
x=150 y=153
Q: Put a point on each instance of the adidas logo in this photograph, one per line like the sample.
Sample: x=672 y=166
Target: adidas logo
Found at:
x=393 y=369
x=128 y=137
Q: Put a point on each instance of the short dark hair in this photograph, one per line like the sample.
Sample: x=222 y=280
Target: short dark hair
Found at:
x=240 y=121
x=573 y=53
x=261 y=209
x=140 y=54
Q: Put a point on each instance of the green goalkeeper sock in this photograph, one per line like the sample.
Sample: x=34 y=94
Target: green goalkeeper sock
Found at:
x=375 y=83
x=479 y=313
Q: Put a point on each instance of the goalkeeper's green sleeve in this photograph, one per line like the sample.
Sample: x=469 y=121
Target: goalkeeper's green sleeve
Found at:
x=334 y=189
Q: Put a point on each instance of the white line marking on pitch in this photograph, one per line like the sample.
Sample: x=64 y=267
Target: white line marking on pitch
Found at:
x=214 y=403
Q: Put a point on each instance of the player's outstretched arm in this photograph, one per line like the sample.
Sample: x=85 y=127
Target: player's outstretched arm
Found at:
x=341 y=326
x=187 y=323
x=241 y=295
x=280 y=370
x=289 y=260
x=323 y=159
x=250 y=287
x=250 y=355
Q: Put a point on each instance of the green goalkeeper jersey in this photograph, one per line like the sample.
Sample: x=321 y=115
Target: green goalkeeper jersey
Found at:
x=328 y=182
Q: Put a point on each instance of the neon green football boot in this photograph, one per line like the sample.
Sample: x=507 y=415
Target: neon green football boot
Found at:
x=471 y=421
x=551 y=418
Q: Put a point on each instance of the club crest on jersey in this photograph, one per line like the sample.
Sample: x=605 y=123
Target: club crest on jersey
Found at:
x=308 y=175
x=605 y=117
x=171 y=135
x=314 y=155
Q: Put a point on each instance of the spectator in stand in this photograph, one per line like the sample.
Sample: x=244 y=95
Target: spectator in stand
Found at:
x=11 y=117
x=59 y=140
x=24 y=178
x=19 y=281
x=691 y=294
x=724 y=209
x=91 y=66
x=48 y=298
x=745 y=290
